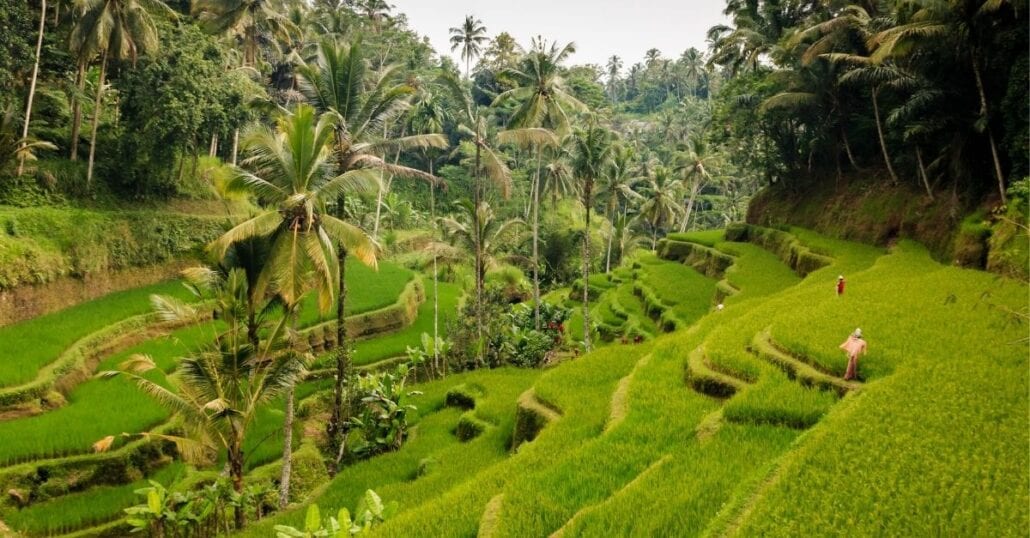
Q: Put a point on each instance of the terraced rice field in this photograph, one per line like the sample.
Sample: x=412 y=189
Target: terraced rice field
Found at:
x=731 y=422
x=740 y=424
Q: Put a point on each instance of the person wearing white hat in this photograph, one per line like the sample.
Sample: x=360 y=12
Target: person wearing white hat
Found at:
x=854 y=346
x=840 y=285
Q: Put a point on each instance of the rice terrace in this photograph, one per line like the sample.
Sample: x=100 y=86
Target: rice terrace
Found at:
x=328 y=268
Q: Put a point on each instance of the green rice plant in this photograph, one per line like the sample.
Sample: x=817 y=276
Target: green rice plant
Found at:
x=395 y=344
x=26 y=346
x=403 y=475
x=708 y=238
x=86 y=508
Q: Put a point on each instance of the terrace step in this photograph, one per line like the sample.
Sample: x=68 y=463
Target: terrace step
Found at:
x=654 y=467
x=706 y=380
x=491 y=516
x=802 y=371
x=620 y=398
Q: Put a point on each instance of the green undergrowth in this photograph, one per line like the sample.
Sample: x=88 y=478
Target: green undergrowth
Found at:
x=42 y=244
x=86 y=509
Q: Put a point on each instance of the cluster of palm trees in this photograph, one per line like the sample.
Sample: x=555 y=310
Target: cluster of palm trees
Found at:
x=930 y=77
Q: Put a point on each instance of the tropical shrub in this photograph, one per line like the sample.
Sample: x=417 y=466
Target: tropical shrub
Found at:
x=370 y=512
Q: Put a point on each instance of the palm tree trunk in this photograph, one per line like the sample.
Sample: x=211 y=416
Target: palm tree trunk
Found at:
x=80 y=83
x=96 y=120
x=586 y=266
x=32 y=84
x=990 y=132
x=335 y=428
x=235 y=454
x=284 y=478
x=847 y=148
x=235 y=144
x=922 y=172
x=611 y=235
x=479 y=255
x=690 y=205
x=213 y=150
x=536 y=241
x=883 y=141
x=436 y=280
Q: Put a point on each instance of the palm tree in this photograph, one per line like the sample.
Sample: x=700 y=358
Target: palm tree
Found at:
x=661 y=201
x=376 y=11
x=339 y=84
x=592 y=150
x=961 y=28
x=468 y=225
x=289 y=170
x=429 y=115
x=220 y=387
x=651 y=57
x=469 y=37
x=696 y=166
x=116 y=30
x=544 y=103
x=616 y=191
x=614 y=67
x=693 y=64
x=249 y=21
x=485 y=162
x=32 y=83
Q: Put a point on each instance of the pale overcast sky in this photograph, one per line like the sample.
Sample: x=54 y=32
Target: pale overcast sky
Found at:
x=599 y=28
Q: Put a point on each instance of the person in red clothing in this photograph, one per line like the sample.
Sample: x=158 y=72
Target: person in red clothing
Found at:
x=840 y=285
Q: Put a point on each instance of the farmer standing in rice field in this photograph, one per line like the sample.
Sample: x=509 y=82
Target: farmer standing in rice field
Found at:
x=840 y=285
x=854 y=346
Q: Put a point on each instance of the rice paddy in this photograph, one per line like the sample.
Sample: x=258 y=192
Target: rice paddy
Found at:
x=734 y=422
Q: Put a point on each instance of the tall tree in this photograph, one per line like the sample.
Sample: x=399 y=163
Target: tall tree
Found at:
x=249 y=21
x=115 y=30
x=358 y=101
x=614 y=67
x=661 y=201
x=290 y=170
x=222 y=386
x=616 y=191
x=592 y=150
x=543 y=102
x=696 y=166
x=486 y=163
x=469 y=37
x=32 y=81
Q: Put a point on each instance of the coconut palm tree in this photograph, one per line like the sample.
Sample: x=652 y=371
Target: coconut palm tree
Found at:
x=32 y=82
x=469 y=37
x=289 y=170
x=543 y=103
x=960 y=28
x=661 y=201
x=115 y=30
x=591 y=154
x=696 y=166
x=473 y=126
x=340 y=85
x=614 y=66
x=468 y=224
x=220 y=387
x=429 y=115
x=248 y=21
x=615 y=191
